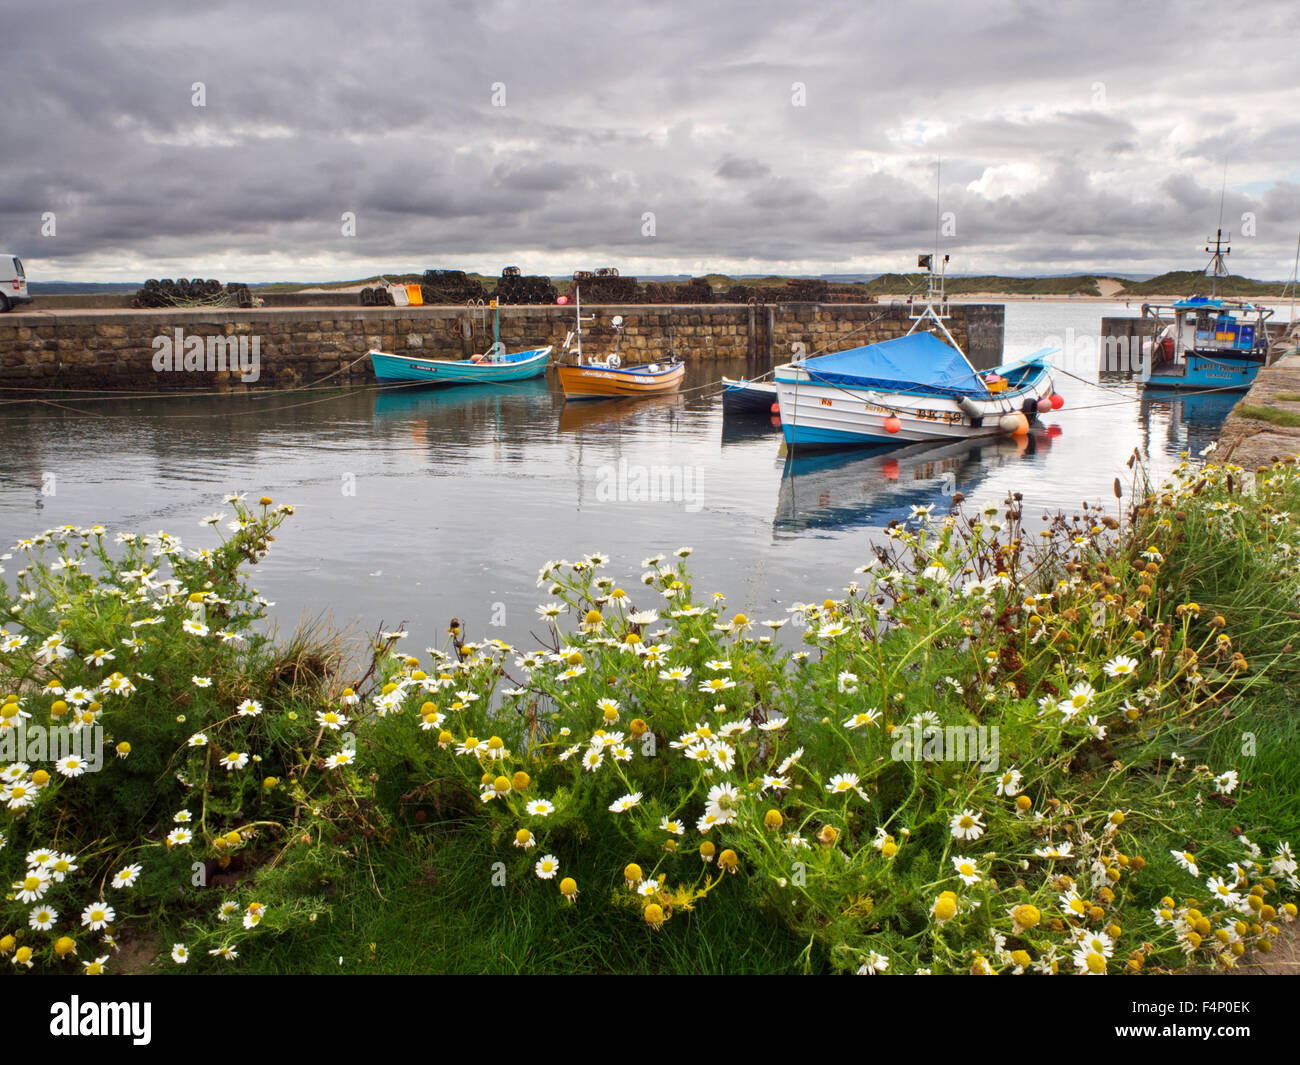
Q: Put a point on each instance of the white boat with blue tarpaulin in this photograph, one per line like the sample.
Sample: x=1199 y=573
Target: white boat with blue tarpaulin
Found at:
x=917 y=387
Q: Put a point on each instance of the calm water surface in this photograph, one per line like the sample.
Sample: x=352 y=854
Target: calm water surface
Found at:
x=417 y=505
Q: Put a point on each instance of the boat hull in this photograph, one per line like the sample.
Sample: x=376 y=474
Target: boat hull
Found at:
x=831 y=415
x=596 y=382
x=517 y=366
x=747 y=397
x=1197 y=372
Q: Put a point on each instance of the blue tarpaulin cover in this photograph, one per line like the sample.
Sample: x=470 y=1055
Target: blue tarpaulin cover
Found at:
x=918 y=362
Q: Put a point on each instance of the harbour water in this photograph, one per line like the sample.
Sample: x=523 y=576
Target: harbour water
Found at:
x=417 y=505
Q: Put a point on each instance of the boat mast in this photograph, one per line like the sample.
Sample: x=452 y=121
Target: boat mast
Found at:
x=577 y=316
x=935 y=309
x=1217 y=267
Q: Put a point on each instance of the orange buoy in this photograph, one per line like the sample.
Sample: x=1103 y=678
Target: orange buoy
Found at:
x=892 y=424
x=776 y=408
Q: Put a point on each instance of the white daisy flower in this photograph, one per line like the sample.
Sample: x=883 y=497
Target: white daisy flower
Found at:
x=97 y=915
x=127 y=877
x=966 y=825
x=625 y=803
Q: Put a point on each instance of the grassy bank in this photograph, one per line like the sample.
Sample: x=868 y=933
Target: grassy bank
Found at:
x=1004 y=748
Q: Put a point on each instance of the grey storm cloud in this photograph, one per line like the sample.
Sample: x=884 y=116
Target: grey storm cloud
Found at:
x=760 y=136
x=738 y=169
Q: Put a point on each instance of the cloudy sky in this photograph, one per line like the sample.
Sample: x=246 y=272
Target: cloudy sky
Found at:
x=751 y=137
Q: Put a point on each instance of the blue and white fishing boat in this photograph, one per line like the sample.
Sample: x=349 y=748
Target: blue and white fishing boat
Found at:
x=1206 y=343
x=917 y=387
x=486 y=369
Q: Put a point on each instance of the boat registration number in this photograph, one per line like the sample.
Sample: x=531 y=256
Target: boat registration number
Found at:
x=948 y=417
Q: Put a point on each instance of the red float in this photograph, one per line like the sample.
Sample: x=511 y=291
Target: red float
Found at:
x=1058 y=401
x=892 y=424
x=776 y=408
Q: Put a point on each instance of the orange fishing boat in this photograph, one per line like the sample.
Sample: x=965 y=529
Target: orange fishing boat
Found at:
x=602 y=380
x=596 y=378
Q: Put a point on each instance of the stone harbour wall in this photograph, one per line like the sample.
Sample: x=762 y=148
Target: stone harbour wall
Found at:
x=113 y=349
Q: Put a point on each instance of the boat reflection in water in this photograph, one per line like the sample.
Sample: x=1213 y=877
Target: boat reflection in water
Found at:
x=402 y=401
x=617 y=413
x=460 y=420
x=856 y=490
x=746 y=430
x=1192 y=421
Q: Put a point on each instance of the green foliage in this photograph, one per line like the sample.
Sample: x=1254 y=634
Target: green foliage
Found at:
x=1002 y=748
x=1083 y=285
x=157 y=743
x=1196 y=283
x=1257 y=412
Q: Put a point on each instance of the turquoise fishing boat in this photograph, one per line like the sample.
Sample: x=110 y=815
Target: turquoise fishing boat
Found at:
x=494 y=366
x=1206 y=343
x=1211 y=344
x=486 y=369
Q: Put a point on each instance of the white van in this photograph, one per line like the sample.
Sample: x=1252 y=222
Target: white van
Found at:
x=13 y=282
